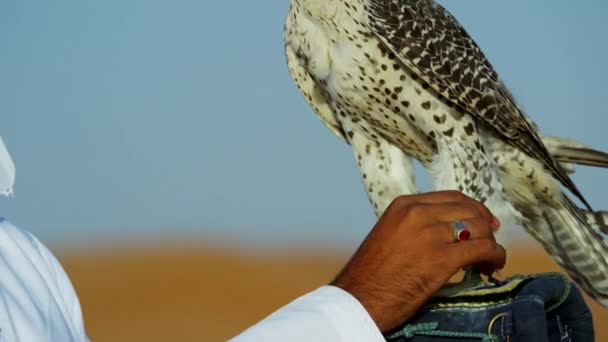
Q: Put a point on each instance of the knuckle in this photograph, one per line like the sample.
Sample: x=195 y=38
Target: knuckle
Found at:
x=400 y=201
x=465 y=213
x=396 y=205
x=472 y=209
x=416 y=210
x=455 y=194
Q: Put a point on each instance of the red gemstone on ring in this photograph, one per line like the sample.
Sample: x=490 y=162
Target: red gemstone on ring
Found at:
x=464 y=235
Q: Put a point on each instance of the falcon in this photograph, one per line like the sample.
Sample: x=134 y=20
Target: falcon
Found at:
x=401 y=80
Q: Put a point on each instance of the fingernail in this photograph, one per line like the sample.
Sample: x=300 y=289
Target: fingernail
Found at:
x=495 y=222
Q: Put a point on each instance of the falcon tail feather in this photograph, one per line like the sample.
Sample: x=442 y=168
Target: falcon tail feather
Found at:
x=582 y=156
x=598 y=220
x=579 y=249
x=571 y=151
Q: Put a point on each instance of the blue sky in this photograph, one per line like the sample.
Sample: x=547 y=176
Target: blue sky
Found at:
x=156 y=119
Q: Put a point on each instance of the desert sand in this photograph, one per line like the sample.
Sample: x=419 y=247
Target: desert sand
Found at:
x=203 y=293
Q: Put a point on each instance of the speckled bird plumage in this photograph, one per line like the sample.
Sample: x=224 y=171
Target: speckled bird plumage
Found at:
x=400 y=80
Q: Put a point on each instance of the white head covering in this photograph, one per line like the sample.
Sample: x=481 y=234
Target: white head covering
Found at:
x=7 y=171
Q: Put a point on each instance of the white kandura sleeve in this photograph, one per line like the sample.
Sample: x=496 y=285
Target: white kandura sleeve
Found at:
x=326 y=314
x=37 y=300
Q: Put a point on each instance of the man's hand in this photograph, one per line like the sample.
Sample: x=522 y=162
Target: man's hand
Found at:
x=411 y=253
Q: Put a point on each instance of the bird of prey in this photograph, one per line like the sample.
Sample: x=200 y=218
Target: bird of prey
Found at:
x=400 y=80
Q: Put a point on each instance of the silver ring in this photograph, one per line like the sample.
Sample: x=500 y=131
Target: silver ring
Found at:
x=461 y=232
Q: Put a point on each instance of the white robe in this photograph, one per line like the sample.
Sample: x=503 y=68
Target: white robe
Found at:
x=326 y=314
x=37 y=300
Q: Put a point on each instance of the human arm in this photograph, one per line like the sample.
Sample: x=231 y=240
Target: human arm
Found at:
x=407 y=257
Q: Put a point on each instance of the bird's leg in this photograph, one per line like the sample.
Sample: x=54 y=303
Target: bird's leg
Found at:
x=387 y=171
x=472 y=278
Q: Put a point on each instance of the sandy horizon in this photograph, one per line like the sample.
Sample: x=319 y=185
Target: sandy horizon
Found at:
x=198 y=292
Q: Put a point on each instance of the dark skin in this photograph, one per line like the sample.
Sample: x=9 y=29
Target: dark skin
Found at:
x=411 y=253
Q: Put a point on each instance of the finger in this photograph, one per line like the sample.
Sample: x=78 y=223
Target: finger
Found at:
x=426 y=214
x=478 y=251
x=486 y=213
x=445 y=232
x=447 y=196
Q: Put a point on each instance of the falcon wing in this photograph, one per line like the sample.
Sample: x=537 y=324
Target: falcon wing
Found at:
x=431 y=43
x=312 y=92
